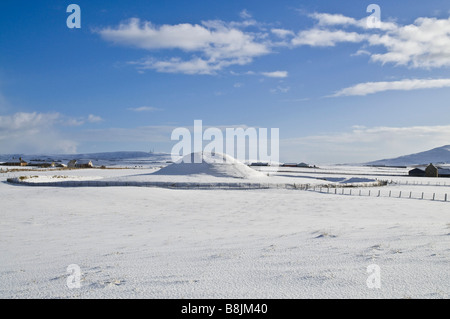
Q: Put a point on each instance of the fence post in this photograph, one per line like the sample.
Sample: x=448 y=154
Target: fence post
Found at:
x=400 y=195
x=350 y=191
x=445 y=197
x=390 y=192
x=410 y=194
x=369 y=192
x=422 y=195
x=359 y=192
x=434 y=194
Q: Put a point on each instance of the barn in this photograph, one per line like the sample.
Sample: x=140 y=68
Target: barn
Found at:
x=15 y=162
x=80 y=164
x=417 y=172
x=431 y=171
x=289 y=165
x=84 y=164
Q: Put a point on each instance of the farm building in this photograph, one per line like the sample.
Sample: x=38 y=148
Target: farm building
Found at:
x=84 y=164
x=431 y=171
x=15 y=162
x=80 y=164
x=417 y=172
x=71 y=163
x=289 y=165
x=296 y=165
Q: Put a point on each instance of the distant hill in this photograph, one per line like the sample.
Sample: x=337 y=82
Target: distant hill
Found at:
x=439 y=155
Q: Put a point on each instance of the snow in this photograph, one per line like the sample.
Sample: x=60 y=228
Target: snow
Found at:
x=217 y=164
x=55 y=178
x=147 y=242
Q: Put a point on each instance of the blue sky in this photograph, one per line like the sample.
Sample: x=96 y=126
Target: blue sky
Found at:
x=338 y=90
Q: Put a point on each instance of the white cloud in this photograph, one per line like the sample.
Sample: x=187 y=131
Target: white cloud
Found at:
x=144 y=109
x=326 y=19
x=33 y=132
x=214 y=45
x=22 y=120
x=73 y=121
x=282 y=33
x=275 y=74
x=94 y=118
x=402 y=85
x=422 y=44
x=363 y=144
x=325 y=38
x=211 y=46
x=280 y=89
x=176 y=65
x=147 y=36
x=361 y=52
x=244 y=14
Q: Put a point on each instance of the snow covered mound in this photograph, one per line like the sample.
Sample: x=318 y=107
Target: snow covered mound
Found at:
x=212 y=164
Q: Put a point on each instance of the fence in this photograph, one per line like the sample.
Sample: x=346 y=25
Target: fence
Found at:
x=416 y=183
x=379 y=193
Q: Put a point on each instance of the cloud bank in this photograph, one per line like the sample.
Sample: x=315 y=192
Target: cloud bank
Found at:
x=211 y=46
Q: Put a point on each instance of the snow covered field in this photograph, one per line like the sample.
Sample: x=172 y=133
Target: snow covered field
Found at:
x=146 y=242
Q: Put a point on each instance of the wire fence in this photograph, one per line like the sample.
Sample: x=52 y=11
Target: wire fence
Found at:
x=383 y=193
x=416 y=183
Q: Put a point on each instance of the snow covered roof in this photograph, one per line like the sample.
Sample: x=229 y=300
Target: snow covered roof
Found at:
x=16 y=160
x=418 y=169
